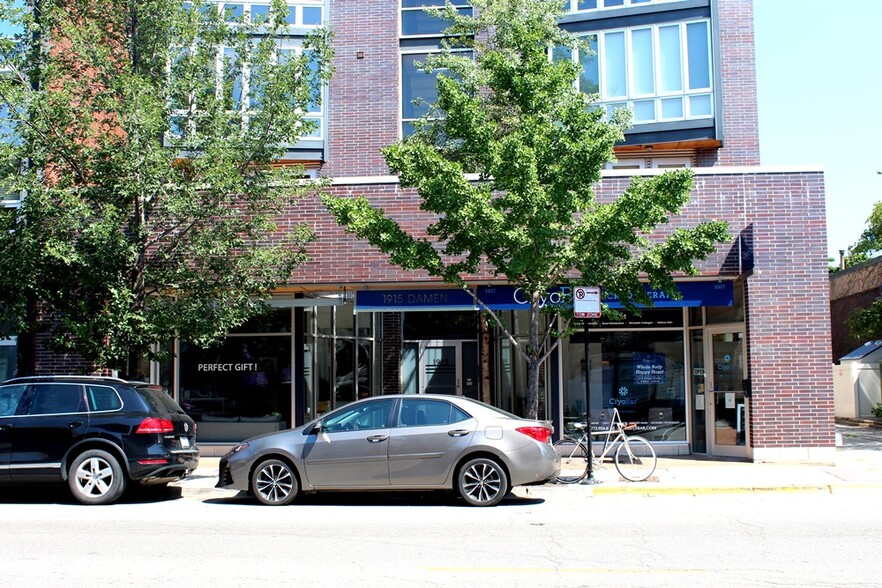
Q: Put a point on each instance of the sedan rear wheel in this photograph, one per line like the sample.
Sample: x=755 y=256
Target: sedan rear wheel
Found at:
x=95 y=477
x=482 y=482
x=274 y=483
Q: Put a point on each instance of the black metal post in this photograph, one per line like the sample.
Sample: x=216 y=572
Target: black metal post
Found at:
x=588 y=479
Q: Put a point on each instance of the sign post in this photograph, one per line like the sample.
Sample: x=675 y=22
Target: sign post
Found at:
x=586 y=305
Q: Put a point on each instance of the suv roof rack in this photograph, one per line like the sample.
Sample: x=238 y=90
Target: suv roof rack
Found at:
x=64 y=377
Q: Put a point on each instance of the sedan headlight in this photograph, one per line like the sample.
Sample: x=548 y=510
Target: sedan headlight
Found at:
x=236 y=449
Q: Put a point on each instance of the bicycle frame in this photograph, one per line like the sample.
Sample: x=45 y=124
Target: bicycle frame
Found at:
x=634 y=456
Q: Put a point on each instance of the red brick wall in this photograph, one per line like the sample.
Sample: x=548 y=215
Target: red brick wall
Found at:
x=364 y=95
x=738 y=75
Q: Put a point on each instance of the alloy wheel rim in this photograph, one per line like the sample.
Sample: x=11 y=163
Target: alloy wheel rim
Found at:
x=274 y=483
x=94 y=477
x=482 y=482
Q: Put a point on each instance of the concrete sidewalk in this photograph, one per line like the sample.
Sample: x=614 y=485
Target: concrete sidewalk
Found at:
x=858 y=466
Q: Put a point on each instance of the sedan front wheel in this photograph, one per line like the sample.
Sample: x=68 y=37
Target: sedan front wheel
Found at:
x=274 y=483
x=482 y=482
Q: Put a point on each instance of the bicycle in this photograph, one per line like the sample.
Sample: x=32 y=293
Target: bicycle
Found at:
x=633 y=455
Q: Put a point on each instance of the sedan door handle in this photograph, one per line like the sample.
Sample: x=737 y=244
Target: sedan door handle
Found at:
x=458 y=432
x=377 y=438
x=75 y=424
x=5 y=426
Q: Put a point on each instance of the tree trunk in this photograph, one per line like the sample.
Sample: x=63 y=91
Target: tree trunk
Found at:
x=533 y=353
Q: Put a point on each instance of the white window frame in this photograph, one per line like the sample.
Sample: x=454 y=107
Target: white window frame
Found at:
x=422 y=51
x=298 y=6
x=573 y=5
x=671 y=162
x=295 y=45
x=405 y=9
x=685 y=94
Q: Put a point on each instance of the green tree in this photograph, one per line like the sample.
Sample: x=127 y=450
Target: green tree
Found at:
x=866 y=323
x=142 y=140
x=506 y=161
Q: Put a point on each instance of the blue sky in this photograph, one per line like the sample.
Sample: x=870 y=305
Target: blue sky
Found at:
x=819 y=86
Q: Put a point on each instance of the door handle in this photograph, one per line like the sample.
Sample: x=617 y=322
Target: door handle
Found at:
x=377 y=438
x=75 y=424
x=458 y=433
x=5 y=426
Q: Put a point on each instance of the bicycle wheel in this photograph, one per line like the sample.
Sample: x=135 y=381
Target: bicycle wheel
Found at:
x=635 y=459
x=573 y=461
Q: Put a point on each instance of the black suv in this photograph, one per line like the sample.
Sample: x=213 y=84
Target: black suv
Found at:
x=95 y=433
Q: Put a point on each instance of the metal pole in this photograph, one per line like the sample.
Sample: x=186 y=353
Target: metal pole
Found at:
x=589 y=479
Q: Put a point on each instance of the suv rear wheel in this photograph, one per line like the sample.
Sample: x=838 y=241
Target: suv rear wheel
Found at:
x=95 y=477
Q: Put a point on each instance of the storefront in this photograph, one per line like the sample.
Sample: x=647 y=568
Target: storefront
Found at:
x=677 y=370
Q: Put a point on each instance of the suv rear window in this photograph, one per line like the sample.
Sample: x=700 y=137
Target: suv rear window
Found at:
x=102 y=398
x=159 y=400
x=56 y=399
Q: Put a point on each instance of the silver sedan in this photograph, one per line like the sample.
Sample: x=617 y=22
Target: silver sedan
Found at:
x=397 y=442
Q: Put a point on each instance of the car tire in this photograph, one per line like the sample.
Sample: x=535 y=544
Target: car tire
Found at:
x=274 y=483
x=96 y=477
x=482 y=482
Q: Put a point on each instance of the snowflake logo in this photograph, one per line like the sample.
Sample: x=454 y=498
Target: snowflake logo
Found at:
x=623 y=391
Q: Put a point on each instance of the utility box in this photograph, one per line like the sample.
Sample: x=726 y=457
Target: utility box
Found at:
x=857 y=382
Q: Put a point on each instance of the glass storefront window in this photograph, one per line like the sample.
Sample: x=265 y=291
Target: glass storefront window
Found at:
x=344 y=322
x=511 y=389
x=238 y=389
x=641 y=373
x=323 y=316
x=339 y=366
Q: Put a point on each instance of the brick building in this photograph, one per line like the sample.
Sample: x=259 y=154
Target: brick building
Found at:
x=851 y=289
x=739 y=367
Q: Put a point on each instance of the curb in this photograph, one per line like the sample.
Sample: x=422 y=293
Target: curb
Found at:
x=863 y=423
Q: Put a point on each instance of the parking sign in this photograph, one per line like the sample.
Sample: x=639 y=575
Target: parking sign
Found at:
x=586 y=302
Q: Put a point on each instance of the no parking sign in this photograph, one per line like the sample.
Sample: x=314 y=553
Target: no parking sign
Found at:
x=586 y=302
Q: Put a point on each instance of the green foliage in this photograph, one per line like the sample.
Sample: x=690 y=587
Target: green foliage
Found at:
x=866 y=323
x=506 y=161
x=870 y=242
x=878 y=411
x=150 y=206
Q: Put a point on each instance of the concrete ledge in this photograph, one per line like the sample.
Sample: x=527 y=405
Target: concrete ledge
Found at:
x=795 y=455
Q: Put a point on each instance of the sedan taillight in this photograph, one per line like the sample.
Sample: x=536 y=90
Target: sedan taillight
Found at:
x=155 y=425
x=540 y=434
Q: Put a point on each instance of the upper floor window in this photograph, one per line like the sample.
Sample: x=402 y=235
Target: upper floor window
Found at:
x=9 y=135
x=661 y=72
x=581 y=5
x=239 y=89
x=416 y=21
x=301 y=13
x=644 y=162
x=418 y=89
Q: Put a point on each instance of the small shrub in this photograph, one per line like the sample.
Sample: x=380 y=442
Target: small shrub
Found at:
x=878 y=411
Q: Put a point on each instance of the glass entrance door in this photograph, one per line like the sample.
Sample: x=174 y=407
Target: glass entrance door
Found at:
x=448 y=367
x=727 y=410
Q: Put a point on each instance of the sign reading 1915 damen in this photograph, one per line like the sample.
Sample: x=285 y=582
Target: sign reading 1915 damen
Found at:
x=692 y=294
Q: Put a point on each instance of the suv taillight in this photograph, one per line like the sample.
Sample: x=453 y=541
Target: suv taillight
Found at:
x=540 y=434
x=155 y=425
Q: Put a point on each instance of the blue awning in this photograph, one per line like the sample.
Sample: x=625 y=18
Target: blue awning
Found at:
x=693 y=294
